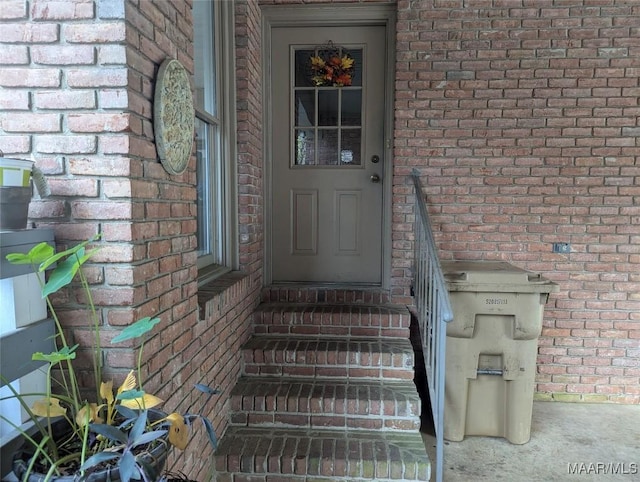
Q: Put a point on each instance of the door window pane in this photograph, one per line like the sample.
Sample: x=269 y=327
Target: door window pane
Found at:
x=305 y=147
x=356 y=55
x=305 y=108
x=303 y=68
x=350 y=147
x=328 y=147
x=328 y=107
x=351 y=108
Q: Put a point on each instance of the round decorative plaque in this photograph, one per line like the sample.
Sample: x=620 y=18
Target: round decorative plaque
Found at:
x=173 y=116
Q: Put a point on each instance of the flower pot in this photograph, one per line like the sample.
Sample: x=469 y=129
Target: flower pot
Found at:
x=15 y=192
x=15 y=172
x=153 y=460
x=14 y=207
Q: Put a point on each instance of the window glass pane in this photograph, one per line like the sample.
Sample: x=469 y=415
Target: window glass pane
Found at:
x=204 y=188
x=351 y=112
x=303 y=68
x=204 y=57
x=350 y=146
x=356 y=55
x=328 y=147
x=305 y=108
x=328 y=107
x=305 y=147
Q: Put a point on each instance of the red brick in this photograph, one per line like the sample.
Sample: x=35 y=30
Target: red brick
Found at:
x=13 y=10
x=95 y=33
x=61 y=10
x=73 y=187
x=100 y=210
x=29 y=33
x=14 y=100
x=100 y=166
x=63 y=54
x=22 y=122
x=96 y=122
x=113 y=98
x=112 y=55
x=97 y=77
x=15 y=144
x=29 y=77
x=14 y=55
x=76 y=99
x=49 y=144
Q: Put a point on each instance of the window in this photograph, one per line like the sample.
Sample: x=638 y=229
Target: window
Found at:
x=215 y=136
x=327 y=128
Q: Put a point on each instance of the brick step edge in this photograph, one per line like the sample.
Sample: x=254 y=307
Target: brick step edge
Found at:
x=318 y=403
x=291 y=294
x=333 y=319
x=339 y=455
x=328 y=357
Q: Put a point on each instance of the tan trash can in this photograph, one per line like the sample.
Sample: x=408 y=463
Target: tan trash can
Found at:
x=492 y=346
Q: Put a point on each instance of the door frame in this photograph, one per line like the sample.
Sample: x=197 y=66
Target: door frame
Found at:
x=321 y=16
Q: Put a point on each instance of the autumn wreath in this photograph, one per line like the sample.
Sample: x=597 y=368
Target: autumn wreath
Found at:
x=331 y=68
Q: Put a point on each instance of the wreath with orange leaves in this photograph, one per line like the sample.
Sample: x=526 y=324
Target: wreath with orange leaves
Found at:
x=330 y=68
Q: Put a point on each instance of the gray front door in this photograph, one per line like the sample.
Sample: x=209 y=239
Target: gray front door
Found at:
x=328 y=98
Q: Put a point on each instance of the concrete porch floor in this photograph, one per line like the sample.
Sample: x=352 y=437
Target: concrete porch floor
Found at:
x=564 y=437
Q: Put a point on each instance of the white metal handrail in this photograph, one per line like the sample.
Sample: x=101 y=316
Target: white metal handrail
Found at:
x=433 y=312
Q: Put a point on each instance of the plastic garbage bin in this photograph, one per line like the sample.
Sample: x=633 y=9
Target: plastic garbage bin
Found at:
x=492 y=345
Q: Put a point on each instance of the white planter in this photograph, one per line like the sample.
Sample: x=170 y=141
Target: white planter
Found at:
x=15 y=172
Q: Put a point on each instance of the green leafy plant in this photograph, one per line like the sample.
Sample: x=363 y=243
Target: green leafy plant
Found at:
x=118 y=429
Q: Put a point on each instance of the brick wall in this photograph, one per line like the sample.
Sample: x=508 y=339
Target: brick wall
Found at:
x=522 y=116
x=76 y=95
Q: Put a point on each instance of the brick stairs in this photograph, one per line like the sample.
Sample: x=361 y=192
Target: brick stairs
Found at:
x=326 y=394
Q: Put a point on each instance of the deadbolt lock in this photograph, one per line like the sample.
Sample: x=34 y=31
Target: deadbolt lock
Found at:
x=375 y=159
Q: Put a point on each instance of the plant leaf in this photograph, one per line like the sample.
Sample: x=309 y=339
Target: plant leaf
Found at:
x=106 y=391
x=138 y=427
x=210 y=431
x=126 y=412
x=48 y=407
x=36 y=255
x=65 y=353
x=127 y=467
x=147 y=437
x=62 y=275
x=99 y=458
x=109 y=431
x=178 y=432
x=129 y=383
x=137 y=329
x=69 y=253
x=130 y=395
x=207 y=389
x=141 y=402
x=90 y=412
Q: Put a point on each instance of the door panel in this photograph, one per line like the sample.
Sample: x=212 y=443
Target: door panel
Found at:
x=326 y=136
x=304 y=216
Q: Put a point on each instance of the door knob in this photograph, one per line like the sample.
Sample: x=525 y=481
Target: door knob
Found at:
x=375 y=178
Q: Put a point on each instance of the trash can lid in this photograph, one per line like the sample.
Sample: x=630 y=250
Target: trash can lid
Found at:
x=497 y=276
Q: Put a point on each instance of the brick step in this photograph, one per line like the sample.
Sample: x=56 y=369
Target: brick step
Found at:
x=298 y=454
x=314 y=294
x=320 y=403
x=332 y=319
x=300 y=356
